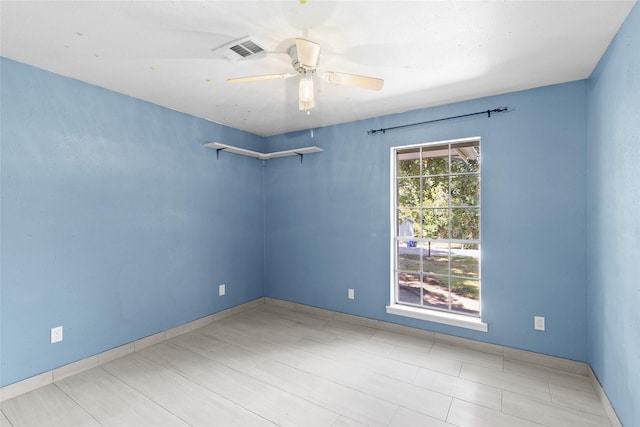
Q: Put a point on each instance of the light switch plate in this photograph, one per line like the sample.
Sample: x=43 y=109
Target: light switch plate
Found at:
x=222 y=289
x=538 y=323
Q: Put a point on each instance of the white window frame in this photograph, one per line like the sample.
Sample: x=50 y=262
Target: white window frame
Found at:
x=422 y=313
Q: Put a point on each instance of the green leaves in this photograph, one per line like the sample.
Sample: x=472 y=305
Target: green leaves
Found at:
x=439 y=189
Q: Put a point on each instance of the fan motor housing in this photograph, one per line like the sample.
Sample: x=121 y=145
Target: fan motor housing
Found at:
x=295 y=62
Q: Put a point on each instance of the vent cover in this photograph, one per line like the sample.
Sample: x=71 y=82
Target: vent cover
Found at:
x=239 y=49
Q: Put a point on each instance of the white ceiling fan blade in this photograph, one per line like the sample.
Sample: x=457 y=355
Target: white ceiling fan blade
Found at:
x=308 y=53
x=264 y=77
x=372 y=83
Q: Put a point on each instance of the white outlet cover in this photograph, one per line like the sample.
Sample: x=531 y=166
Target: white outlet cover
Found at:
x=56 y=334
x=351 y=294
x=538 y=323
x=222 y=289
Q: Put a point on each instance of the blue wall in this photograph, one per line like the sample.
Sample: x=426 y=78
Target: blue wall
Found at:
x=327 y=220
x=116 y=222
x=613 y=221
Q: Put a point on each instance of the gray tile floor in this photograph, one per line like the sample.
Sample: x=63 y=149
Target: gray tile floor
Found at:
x=270 y=366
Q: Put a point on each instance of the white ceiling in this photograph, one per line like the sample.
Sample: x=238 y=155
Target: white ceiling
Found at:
x=428 y=52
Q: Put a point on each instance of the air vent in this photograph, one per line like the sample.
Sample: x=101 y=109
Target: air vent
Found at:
x=239 y=49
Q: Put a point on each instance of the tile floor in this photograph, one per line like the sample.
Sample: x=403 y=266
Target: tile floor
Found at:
x=272 y=366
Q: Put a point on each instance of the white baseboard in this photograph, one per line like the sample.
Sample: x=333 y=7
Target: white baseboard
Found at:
x=611 y=413
x=12 y=390
x=498 y=350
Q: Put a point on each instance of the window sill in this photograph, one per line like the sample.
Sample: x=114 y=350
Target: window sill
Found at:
x=450 y=319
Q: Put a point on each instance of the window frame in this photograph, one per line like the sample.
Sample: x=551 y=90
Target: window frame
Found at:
x=422 y=312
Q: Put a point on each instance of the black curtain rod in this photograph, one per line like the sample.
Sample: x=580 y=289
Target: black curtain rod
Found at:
x=487 y=112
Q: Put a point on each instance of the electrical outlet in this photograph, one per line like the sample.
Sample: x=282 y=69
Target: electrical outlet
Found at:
x=222 y=289
x=351 y=294
x=56 y=334
x=538 y=323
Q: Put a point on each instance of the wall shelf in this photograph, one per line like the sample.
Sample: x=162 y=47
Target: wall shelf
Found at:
x=218 y=146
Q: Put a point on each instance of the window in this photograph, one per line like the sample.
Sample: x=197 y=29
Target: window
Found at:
x=436 y=228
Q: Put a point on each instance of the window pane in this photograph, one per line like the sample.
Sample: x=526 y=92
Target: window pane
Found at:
x=435 y=223
x=409 y=288
x=408 y=162
x=435 y=258
x=408 y=257
x=408 y=192
x=438 y=200
x=409 y=223
x=435 y=191
x=465 y=296
x=435 y=290
x=465 y=190
x=465 y=224
x=465 y=260
x=465 y=157
x=435 y=160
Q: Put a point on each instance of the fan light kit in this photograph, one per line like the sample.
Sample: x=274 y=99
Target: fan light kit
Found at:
x=305 y=101
x=304 y=58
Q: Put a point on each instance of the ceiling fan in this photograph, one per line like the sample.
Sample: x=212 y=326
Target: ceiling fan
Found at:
x=304 y=58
